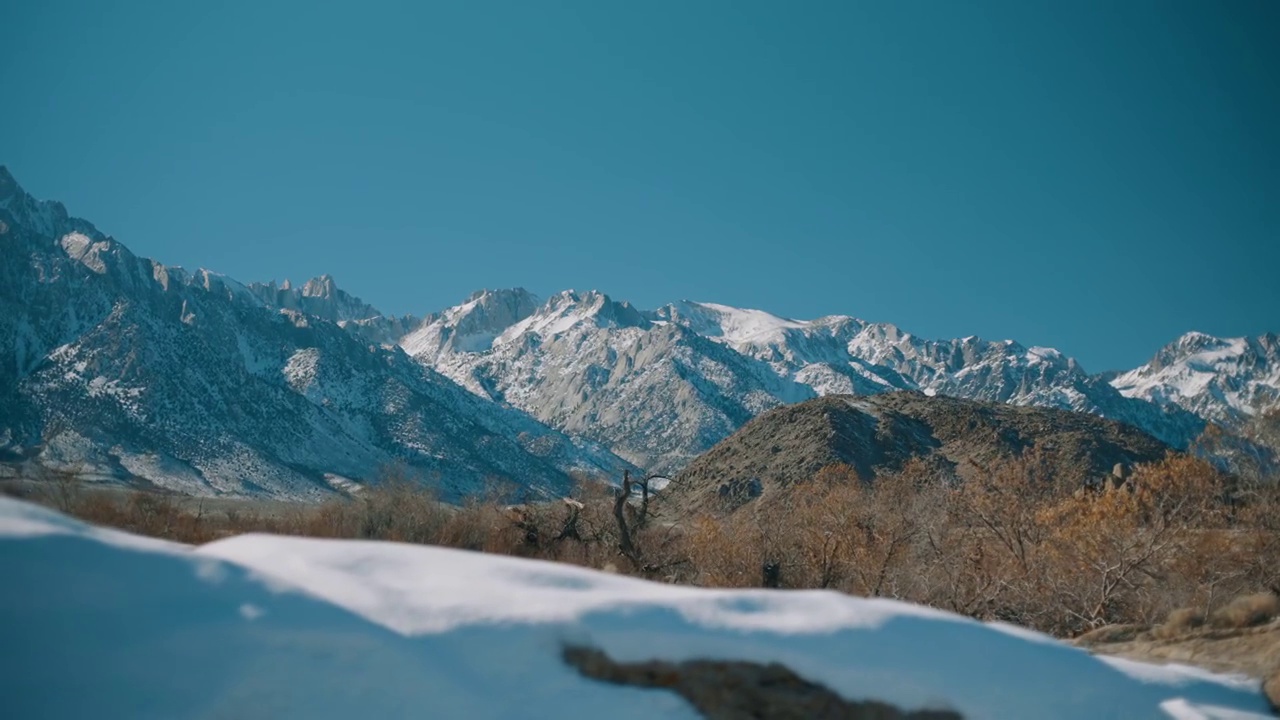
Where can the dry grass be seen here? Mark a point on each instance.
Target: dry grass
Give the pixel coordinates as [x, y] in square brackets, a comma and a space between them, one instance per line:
[1012, 545]
[1247, 611]
[1111, 634]
[1179, 622]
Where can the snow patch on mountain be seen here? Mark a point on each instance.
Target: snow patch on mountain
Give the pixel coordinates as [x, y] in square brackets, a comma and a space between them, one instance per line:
[733, 326]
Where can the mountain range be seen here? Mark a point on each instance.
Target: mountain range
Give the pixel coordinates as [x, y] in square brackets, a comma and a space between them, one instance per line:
[121, 367]
[661, 387]
[197, 383]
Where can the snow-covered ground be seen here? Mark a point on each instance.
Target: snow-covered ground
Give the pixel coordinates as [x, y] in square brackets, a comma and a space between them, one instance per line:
[98, 623]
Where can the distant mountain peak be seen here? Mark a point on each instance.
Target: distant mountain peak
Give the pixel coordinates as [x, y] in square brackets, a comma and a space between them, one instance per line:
[471, 326]
[320, 297]
[1224, 380]
[497, 294]
[47, 218]
[322, 286]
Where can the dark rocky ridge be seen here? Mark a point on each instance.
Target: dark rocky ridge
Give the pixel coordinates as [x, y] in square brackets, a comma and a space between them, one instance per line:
[881, 433]
[740, 690]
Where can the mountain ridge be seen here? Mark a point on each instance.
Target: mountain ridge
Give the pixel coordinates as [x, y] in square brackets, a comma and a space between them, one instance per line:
[534, 362]
[124, 367]
[571, 374]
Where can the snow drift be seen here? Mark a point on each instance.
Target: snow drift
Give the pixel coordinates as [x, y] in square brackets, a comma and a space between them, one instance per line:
[101, 623]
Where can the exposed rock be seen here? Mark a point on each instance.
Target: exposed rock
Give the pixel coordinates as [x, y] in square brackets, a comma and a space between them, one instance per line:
[737, 690]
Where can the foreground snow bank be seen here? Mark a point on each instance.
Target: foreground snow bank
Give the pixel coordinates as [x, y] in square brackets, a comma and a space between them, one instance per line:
[98, 623]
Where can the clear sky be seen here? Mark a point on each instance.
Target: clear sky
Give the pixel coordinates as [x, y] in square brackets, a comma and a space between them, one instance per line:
[1094, 176]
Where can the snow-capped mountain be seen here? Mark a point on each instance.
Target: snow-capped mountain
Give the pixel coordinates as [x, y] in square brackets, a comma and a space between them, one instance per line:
[471, 326]
[656, 392]
[118, 365]
[840, 354]
[662, 386]
[196, 382]
[1224, 380]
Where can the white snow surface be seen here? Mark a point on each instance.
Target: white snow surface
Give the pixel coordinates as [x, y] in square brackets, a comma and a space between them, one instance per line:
[98, 622]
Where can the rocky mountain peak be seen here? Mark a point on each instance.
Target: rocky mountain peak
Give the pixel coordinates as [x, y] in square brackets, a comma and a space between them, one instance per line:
[572, 309]
[472, 326]
[1224, 380]
[46, 218]
[320, 297]
[488, 296]
[321, 287]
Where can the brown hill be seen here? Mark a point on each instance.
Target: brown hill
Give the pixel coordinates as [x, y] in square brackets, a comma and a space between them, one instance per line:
[881, 433]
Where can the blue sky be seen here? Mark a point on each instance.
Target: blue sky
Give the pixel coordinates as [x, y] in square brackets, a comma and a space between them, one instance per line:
[1095, 176]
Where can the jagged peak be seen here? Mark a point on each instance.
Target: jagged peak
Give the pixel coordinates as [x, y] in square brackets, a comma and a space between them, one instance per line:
[580, 297]
[487, 306]
[1185, 346]
[889, 331]
[48, 218]
[320, 296]
[574, 298]
[499, 293]
[322, 286]
[592, 305]
[1195, 341]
